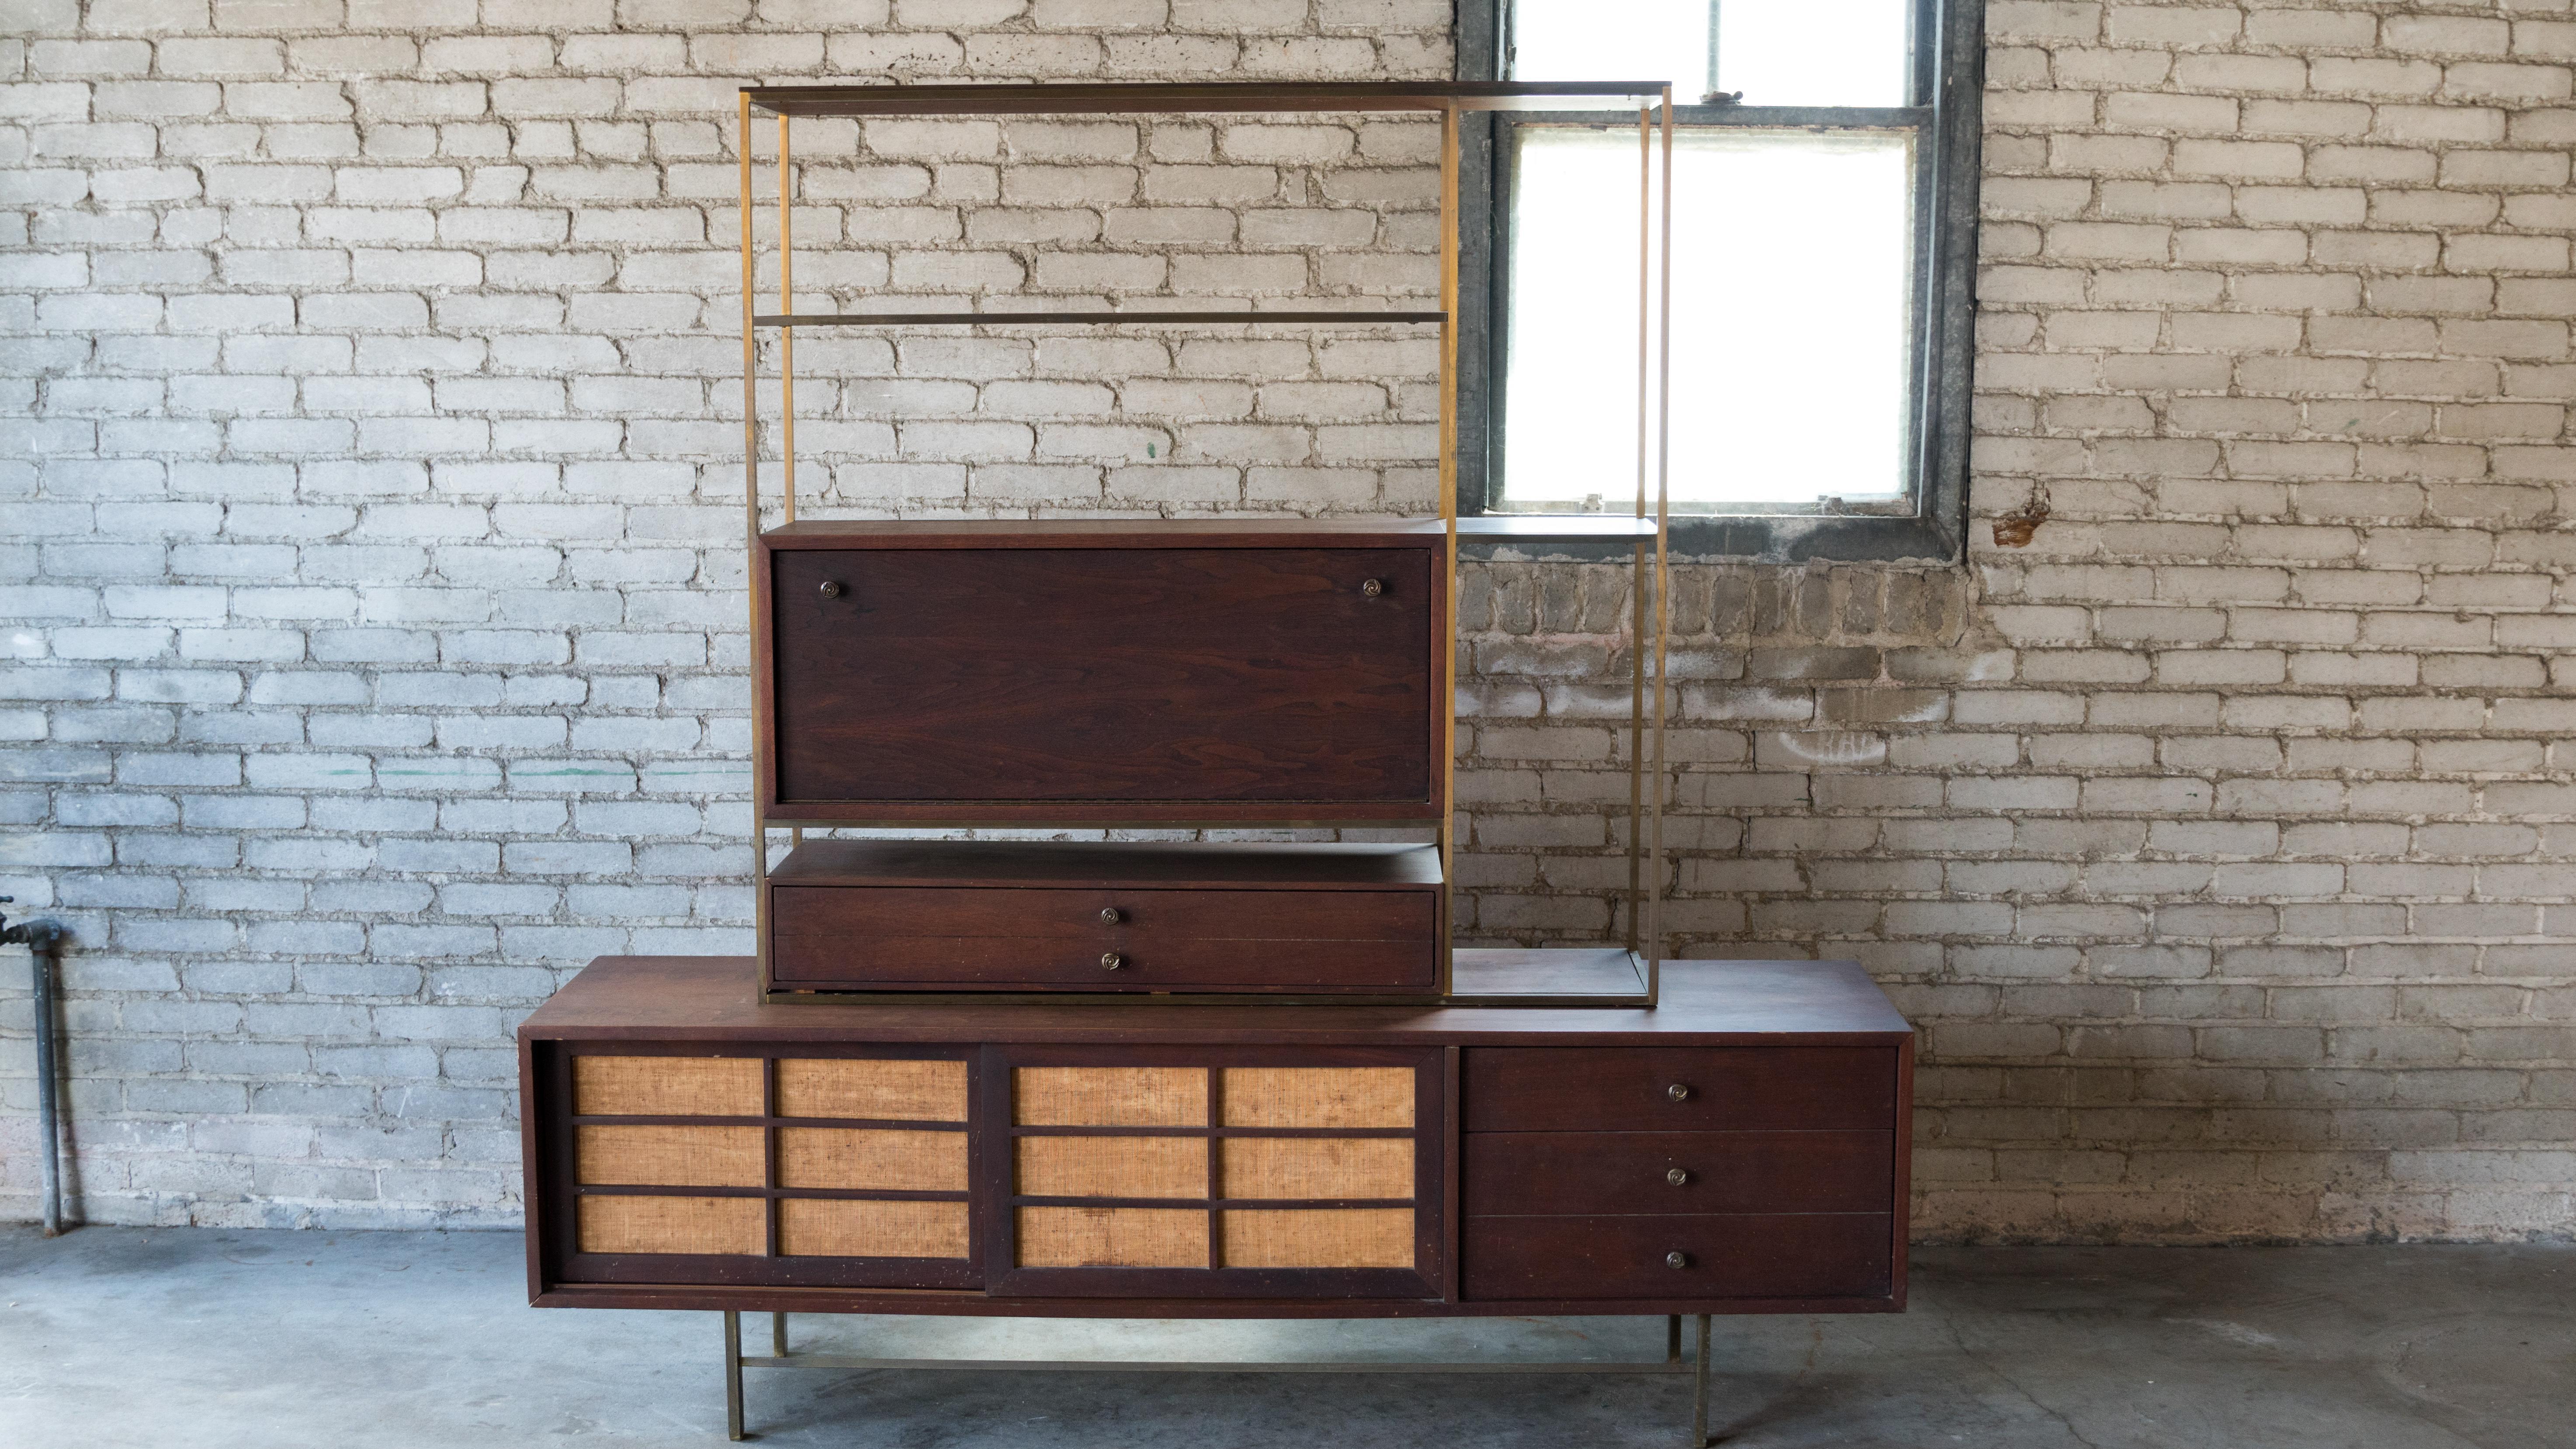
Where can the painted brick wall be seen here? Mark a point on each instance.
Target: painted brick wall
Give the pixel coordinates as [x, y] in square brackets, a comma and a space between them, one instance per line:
[372, 570]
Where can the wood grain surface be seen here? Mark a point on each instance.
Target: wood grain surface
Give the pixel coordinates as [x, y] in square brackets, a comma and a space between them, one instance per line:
[1036, 939]
[1219, 675]
[1627, 1090]
[1776, 1255]
[715, 1000]
[1722, 1172]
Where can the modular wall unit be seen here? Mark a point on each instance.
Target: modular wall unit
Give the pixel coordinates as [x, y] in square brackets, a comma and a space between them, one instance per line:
[1252, 672]
[1740, 1149]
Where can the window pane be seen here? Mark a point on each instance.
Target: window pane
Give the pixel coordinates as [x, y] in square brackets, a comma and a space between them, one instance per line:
[1569, 40]
[1777, 52]
[1809, 52]
[1791, 295]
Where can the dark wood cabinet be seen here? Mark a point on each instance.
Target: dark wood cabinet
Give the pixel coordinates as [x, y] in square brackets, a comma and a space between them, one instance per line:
[691, 1147]
[1065, 672]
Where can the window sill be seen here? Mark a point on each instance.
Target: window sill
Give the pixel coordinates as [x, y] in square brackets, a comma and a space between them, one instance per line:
[1787, 539]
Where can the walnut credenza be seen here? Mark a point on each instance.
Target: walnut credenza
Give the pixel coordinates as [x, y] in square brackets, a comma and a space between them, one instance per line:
[1740, 1149]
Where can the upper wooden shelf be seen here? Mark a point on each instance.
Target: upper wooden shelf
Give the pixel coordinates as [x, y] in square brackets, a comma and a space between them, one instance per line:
[1237, 96]
[1039, 532]
[1234, 318]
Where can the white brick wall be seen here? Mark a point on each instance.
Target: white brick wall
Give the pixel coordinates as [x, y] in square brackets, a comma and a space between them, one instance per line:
[372, 581]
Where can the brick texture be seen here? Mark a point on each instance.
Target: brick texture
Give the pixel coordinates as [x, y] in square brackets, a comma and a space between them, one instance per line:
[373, 576]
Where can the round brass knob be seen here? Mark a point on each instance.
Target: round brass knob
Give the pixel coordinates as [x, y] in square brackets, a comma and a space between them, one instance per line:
[1111, 960]
[1371, 588]
[1677, 1260]
[1109, 916]
[1678, 1176]
[1677, 1092]
[831, 590]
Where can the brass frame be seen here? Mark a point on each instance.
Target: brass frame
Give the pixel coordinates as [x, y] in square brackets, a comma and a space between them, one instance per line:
[1450, 101]
[735, 1361]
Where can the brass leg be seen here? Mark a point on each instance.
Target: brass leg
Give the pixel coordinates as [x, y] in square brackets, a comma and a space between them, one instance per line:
[1673, 1338]
[1699, 1390]
[733, 1374]
[778, 1334]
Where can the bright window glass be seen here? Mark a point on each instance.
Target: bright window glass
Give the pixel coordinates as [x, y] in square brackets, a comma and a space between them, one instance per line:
[1651, 40]
[1810, 52]
[1790, 319]
[1775, 52]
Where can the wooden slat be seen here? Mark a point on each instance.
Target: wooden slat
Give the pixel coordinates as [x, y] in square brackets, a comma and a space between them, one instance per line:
[605, 1086]
[1318, 1096]
[810, 1227]
[1086, 1237]
[1319, 1238]
[892, 1091]
[668, 1156]
[1318, 1167]
[870, 1158]
[672, 1225]
[1116, 1166]
[1110, 1096]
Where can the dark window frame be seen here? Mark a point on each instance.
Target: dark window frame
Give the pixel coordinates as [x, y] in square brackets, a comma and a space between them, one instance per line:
[1948, 82]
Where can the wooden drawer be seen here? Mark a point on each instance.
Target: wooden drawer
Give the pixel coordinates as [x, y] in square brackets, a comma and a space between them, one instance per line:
[1722, 1172]
[1129, 682]
[1632, 1089]
[1158, 940]
[1750, 1255]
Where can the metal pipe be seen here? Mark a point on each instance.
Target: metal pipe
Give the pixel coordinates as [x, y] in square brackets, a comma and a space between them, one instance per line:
[41, 938]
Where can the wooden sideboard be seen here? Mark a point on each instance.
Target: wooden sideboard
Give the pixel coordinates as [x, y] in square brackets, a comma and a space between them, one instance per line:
[1741, 1148]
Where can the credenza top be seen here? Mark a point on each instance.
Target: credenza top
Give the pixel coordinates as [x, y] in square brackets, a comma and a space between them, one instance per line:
[716, 999]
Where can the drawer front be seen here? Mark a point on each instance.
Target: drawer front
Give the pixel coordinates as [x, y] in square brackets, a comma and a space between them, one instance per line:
[1633, 1089]
[1768, 1255]
[1242, 675]
[1158, 940]
[1719, 1172]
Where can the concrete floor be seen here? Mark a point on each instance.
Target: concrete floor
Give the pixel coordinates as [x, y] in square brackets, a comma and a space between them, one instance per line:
[212, 1339]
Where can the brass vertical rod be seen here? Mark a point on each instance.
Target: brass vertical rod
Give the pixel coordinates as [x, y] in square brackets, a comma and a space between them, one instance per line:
[786, 331]
[1699, 1390]
[751, 510]
[733, 1373]
[1448, 404]
[1663, 604]
[750, 347]
[1637, 555]
[778, 1334]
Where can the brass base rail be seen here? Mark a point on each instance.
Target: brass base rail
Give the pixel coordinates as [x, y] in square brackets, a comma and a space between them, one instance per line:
[779, 1358]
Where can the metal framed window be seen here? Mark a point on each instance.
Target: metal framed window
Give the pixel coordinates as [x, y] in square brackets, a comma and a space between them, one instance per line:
[1824, 240]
